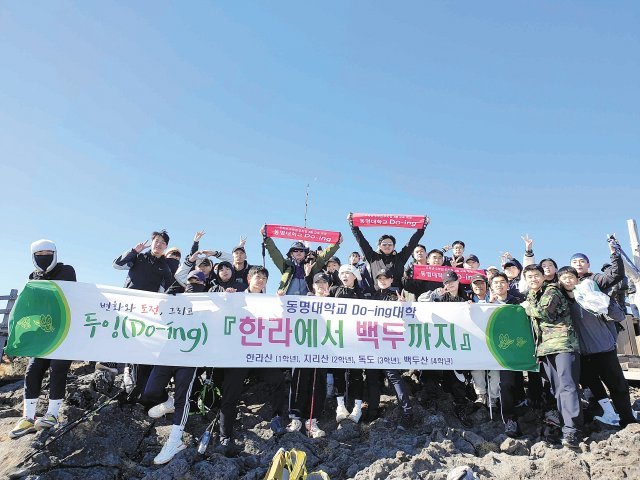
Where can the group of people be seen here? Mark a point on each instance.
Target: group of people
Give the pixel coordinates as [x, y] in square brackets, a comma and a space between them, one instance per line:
[575, 340]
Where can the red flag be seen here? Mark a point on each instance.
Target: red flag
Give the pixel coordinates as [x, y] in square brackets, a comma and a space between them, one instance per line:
[434, 273]
[302, 234]
[387, 220]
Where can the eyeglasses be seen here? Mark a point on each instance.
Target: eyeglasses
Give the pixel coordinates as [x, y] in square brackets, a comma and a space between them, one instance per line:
[386, 244]
[296, 251]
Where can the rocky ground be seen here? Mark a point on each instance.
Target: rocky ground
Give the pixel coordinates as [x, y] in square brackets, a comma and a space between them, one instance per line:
[120, 442]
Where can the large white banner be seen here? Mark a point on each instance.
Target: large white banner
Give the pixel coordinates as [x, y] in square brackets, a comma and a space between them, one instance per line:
[80, 321]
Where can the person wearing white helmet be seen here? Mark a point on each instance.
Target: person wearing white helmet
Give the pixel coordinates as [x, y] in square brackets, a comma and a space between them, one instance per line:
[45, 260]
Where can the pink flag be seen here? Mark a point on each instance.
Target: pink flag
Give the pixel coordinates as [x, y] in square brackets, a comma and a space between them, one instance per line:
[434, 273]
[301, 233]
[387, 220]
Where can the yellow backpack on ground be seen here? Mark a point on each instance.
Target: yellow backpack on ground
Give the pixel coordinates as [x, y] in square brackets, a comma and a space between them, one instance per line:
[291, 465]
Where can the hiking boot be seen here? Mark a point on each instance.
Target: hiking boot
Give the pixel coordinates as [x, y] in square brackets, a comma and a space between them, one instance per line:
[25, 425]
[294, 425]
[47, 421]
[341, 413]
[571, 440]
[511, 428]
[406, 422]
[552, 417]
[482, 399]
[276, 426]
[460, 411]
[229, 448]
[313, 430]
[168, 452]
[162, 409]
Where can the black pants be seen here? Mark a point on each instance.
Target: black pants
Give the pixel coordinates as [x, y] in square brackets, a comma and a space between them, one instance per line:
[232, 389]
[155, 390]
[511, 393]
[604, 367]
[451, 383]
[355, 390]
[563, 372]
[36, 369]
[308, 385]
[141, 373]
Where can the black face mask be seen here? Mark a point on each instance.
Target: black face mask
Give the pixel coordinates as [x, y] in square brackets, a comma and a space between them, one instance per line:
[44, 261]
[194, 288]
[173, 263]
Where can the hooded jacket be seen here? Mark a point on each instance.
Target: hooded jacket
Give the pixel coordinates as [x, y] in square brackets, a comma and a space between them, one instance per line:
[287, 267]
[55, 270]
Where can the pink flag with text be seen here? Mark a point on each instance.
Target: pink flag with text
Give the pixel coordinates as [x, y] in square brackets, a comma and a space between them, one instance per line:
[387, 220]
[434, 273]
[302, 233]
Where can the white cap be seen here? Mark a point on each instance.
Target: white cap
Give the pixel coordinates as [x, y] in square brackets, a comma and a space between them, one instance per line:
[351, 269]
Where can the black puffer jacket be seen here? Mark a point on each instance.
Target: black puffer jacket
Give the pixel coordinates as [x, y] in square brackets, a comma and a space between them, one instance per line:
[59, 272]
[394, 262]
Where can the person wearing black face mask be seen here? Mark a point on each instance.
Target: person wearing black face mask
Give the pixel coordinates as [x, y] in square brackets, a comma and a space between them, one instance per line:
[45, 259]
[195, 282]
[173, 256]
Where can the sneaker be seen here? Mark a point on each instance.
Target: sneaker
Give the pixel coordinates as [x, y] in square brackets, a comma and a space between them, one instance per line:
[295, 425]
[47, 421]
[108, 366]
[406, 422]
[168, 452]
[25, 425]
[313, 430]
[571, 440]
[511, 428]
[461, 412]
[482, 399]
[355, 415]
[608, 419]
[162, 409]
[552, 417]
[341, 413]
[276, 426]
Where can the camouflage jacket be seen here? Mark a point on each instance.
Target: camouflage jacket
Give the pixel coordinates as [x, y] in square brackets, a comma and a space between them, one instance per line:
[550, 315]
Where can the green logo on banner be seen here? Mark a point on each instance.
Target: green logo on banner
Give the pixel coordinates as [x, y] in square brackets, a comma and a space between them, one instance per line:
[39, 320]
[510, 339]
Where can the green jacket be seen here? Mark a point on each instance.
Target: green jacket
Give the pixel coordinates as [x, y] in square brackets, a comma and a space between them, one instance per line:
[550, 315]
[288, 268]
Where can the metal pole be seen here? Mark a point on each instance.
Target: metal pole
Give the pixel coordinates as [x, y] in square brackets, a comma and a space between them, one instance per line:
[633, 235]
[306, 205]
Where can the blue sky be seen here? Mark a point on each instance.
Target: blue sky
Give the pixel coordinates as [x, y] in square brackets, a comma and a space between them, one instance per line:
[495, 118]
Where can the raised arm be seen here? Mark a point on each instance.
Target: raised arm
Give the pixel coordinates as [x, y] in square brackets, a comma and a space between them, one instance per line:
[362, 242]
[407, 250]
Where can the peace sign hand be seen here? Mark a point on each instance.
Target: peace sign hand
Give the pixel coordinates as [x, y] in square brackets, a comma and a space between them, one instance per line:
[141, 246]
[528, 242]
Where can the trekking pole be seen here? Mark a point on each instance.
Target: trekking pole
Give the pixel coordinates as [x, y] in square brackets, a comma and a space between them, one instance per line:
[313, 397]
[70, 426]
